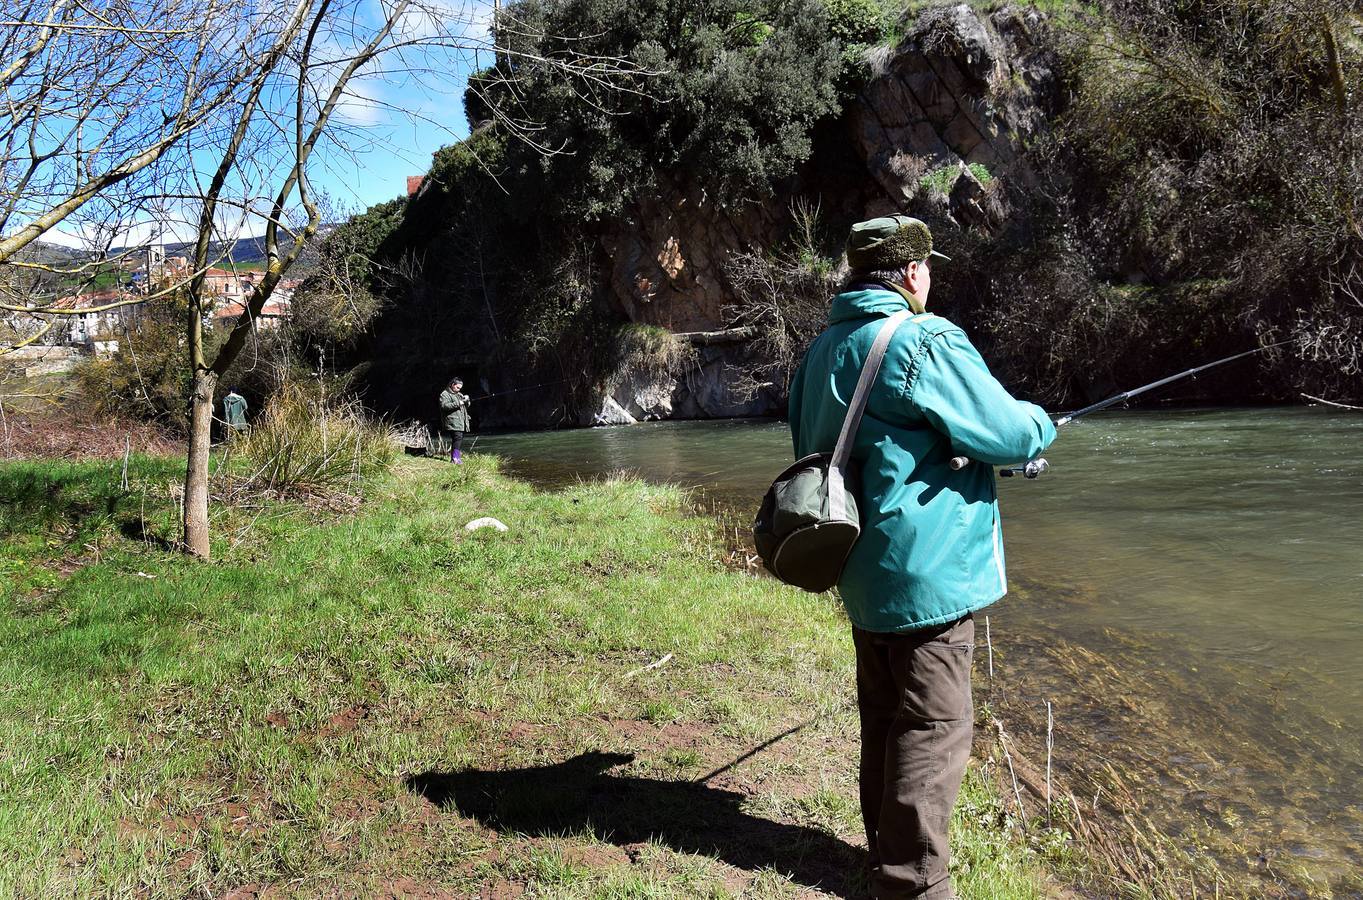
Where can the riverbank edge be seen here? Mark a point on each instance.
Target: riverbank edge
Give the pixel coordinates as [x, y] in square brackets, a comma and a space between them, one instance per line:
[279, 750]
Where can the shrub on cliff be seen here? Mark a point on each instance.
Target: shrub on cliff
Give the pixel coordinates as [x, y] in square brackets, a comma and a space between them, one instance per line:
[737, 89]
[1210, 162]
[337, 302]
[781, 299]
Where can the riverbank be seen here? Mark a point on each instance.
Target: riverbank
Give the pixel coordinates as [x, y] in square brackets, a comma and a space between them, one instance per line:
[1149, 577]
[387, 704]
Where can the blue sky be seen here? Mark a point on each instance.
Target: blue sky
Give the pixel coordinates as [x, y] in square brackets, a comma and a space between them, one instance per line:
[392, 125]
[393, 148]
[398, 116]
[402, 109]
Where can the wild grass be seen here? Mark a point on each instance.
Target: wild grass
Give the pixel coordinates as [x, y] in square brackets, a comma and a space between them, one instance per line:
[387, 703]
[310, 442]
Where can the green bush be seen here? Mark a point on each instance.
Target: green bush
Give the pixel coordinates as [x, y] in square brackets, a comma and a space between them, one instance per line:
[734, 90]
[651, 350]
[856, 26]
[335, 304]
[1203, 193]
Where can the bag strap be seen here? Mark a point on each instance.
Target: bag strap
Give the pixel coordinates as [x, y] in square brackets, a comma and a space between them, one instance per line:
[842, 451]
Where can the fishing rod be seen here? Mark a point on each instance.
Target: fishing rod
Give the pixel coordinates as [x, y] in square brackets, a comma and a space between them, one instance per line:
[530, 387]
[1034, 468]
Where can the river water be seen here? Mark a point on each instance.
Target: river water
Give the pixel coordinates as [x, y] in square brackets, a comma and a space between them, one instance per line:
[1186, 588]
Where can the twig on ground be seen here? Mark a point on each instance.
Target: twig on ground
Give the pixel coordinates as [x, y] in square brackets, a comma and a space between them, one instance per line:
[653, 665]
[1017, 792]
[989, 644]
[1050, 745]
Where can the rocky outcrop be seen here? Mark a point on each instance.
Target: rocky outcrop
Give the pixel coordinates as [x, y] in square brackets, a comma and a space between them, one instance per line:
[636, 396]
[943, 125]
[612, 413]
[704, 387]
[667, 256]
[941, 129]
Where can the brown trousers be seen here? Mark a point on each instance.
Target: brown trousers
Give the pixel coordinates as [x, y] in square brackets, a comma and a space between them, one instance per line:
[913, 694]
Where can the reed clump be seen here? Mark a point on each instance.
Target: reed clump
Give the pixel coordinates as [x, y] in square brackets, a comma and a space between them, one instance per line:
[307, 442]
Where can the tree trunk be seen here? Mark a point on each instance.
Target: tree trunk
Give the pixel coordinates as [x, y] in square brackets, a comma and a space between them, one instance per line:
[196, 471]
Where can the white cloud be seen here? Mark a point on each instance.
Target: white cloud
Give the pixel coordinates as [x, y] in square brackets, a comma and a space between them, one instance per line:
[362, 103]
[470, 21]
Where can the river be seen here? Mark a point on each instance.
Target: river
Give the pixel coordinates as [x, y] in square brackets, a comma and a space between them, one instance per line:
[1186, 588]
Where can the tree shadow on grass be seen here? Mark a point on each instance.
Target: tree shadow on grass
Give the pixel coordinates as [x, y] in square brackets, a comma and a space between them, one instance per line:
[138, 530]
[32, 498]
[579, 795]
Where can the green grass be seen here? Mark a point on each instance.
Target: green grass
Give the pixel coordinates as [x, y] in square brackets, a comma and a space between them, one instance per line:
[387, 702]
[941, 179]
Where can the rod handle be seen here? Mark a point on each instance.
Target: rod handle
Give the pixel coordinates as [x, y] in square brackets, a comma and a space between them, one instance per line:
[959, 462]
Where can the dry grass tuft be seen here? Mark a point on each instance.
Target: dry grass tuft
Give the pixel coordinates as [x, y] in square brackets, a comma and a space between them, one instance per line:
[309, 445]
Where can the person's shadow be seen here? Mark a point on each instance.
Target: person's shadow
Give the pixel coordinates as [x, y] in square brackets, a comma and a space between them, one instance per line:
[579, 794]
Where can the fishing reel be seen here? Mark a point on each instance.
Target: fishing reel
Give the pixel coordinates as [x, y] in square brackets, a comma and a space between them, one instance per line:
[1033, 468]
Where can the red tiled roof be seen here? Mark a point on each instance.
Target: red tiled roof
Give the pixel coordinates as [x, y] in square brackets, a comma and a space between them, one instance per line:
[232, 310]
[414, 183]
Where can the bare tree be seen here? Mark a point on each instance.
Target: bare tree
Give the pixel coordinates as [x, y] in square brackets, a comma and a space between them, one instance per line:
[781, 302]
[135, 119]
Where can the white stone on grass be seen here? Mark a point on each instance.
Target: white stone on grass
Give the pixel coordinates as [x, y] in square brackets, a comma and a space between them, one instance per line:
[485, 522]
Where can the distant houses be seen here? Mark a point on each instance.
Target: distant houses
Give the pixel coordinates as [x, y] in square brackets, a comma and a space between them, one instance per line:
[101, 316]
[98, 318]
[271, 314]
[233, 290]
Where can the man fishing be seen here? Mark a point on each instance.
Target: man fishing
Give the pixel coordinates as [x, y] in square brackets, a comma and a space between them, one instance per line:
[930, 551]
[454, 405]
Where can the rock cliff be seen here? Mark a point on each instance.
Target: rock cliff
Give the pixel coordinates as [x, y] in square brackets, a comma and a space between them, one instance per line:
[940, 131]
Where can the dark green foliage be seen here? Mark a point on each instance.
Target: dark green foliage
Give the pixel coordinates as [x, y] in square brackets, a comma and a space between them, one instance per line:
[856, 25]
[736, 90]
[1204, 193]
[500, 259]
[336, 303]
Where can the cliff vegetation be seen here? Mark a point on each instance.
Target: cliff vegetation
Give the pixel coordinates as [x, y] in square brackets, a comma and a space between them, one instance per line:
[1127, 188]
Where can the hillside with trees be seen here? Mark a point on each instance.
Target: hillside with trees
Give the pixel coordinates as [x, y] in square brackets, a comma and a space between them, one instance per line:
[1125, 188]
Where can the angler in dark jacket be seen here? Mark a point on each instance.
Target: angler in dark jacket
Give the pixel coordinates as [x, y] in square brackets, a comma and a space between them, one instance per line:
[931, 548]
[454, 407]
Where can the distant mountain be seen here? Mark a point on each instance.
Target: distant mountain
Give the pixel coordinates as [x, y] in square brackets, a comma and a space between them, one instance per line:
[54, 254]
[243, 252]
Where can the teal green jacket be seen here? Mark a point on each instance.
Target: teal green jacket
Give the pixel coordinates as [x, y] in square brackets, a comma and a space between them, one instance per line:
[931, 546]
[234, 410]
